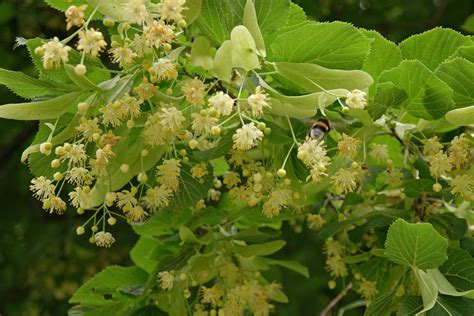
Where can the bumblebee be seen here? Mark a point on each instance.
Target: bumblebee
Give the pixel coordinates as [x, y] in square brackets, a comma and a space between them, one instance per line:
[319, 129]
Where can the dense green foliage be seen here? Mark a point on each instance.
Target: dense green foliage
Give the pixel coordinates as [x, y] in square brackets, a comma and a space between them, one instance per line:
[430, 85]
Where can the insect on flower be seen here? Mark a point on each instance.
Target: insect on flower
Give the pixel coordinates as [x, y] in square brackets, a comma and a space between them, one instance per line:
[320, 128]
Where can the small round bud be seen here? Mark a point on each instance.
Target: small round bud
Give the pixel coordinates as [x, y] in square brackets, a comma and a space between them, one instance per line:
[257, 187]
[95, 228]
[216, 130]
[193, 144]
[142, 177]
[45, 148]
[217, 183]
[372, 193]
[281, 173]
[67, 147]
[389, 162]
[144, 153]
[58, 176]
[403, 195]
[357, 276]
[80, 70]
[322, 210]
[134, 190]
[287, 182]
[269, 175]
[59, 151]
[110, 198]
[125, 168]
[302, 155]
[108, 22]
[341, 217]
[345, 110]
[187, 293]
[213, 112]
[55, 163]
[86, 189]
[169, 91]
[92, 240]
[183, 152]
[130, 124]
[182, 24]
[355, 165]
[80, 211]
[296, 195]
[83, 107]
[213, 312]
[167, 47]
[112, 221]
[80, 230]
[267, 131]
[332, 284]
[182, 276]
[245, 172]
[261, 126]
[257, 177]
[96, 136]
[39, 50]
[437, 187]
[194, 283]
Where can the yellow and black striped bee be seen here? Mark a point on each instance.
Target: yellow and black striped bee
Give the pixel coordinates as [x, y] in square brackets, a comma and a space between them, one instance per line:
[319, 129]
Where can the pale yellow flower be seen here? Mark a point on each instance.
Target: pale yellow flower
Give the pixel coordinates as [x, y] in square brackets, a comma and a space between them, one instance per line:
[348, 146]
[221, 103]
[167, 174]
[91, 42]
[165, 280]
[53, 53]
[75, 16]
[247, 137]
[194, 91]
[156, 198]
[42, 188]
[356, 99]
[258, 101]
[104, 239]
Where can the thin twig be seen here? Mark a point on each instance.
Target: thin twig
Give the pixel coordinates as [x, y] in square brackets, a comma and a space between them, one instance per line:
[336, 300]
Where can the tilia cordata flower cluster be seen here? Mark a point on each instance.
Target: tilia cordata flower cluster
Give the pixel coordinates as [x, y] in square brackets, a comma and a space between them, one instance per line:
[214, 123]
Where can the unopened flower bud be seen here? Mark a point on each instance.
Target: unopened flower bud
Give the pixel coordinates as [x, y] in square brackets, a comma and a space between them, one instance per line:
[58, 176]
[45, 148]
[437, 187]
[142, 177]
[216, 130]
[80, 70]
[124, 168]
[193, 144]
[108, 22]
[55, 163]
[83, 107]
[110, 198]
[281, 173]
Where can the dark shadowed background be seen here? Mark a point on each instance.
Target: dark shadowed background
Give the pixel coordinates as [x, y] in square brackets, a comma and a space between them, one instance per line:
[42, 261]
